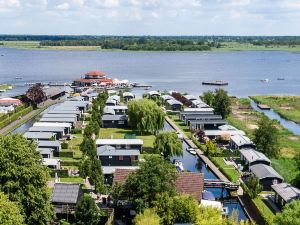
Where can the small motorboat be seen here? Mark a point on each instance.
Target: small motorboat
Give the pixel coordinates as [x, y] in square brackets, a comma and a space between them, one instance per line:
[265, 80]
[190, 149]
[18, 78]
[280, 78]
[179, 165]
[193, 152]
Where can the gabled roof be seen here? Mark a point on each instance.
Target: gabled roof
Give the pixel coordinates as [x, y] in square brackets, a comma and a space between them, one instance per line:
[251, 155]
[45, 150]
[56, 119]
[190, 183]
[286, 191]
[166, 97]
[63, 115]
[263, 171]
[65, 193]
[61, 111]
[198, 109]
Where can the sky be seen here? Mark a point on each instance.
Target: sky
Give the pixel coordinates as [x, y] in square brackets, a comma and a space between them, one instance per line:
[150, 17]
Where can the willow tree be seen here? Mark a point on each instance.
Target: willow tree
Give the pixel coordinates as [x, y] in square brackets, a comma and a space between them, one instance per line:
[145, 116]
[168, 144]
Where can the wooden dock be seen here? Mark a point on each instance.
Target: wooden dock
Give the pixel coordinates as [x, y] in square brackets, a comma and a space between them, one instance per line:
[191, 144]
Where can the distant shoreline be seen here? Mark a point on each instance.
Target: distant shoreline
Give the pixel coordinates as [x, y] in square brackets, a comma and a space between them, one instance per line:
[230, 47]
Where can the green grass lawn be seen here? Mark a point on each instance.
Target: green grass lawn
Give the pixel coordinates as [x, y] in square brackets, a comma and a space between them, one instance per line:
[181, 125]
[286, 106]
[230, 172]
[72, 180]
[265, 211]
[120, 133]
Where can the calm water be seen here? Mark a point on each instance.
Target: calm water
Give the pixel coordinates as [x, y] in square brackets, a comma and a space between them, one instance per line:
[182, 71]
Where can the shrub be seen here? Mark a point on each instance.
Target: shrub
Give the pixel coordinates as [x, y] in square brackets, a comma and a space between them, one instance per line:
[76, 131]
[64, 145]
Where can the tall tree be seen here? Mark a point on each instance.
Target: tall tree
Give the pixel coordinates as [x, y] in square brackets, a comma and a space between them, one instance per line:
[253, 185]
[266, 137]
[221, 103]
[87, 212]
[36, 95]
[145, 116]
[10, 214]
[155, 176]
[24, 179]
[208, 97]
[148, 217]
[208, 216]
[168, 144]
[290, 214]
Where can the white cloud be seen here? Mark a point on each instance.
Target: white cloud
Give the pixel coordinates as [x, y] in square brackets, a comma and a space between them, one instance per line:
[63, 6]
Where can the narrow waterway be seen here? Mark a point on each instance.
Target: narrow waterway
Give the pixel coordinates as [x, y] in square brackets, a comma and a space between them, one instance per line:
[290, 125]
[193, 163]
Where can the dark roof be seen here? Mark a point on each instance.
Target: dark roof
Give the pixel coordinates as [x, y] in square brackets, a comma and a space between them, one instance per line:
[203, 116]
[108, 117]
[65, 193]
[107, 150]
[207, 122]
[286, 191]
[190, 183]
[121, 175]
[45, 129]
[263, 171]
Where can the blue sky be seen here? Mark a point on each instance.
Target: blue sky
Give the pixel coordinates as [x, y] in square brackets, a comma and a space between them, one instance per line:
[150, 17]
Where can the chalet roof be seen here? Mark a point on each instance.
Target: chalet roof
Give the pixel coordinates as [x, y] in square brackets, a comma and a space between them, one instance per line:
[65, 193]
[116, 107]
[203, 116]
[119, 142]
[241, 140]
[166, 97]
[214, 121]
[251, 155]
[108, 117]
[108, 150]
[263, 171]
[190, 183]
[154, 93]
[62, 111]
[112, 169]
[286, 191]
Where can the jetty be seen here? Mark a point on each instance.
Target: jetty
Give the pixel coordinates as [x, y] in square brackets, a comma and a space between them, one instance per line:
[263, 107]
[215, 83]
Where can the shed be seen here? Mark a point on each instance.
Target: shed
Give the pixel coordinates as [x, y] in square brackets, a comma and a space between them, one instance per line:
[114, 121]
[50, 144]
[41, 136]
[267, 175]
[285, 193]
[251, 157]
[65, 196]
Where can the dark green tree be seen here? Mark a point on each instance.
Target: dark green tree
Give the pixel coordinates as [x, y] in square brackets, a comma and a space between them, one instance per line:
[290, 214]
[10, 213]
[266, 137]
[87, 212]
[254, 187]
[24, 179]
[208, 97]
[155, 176]
[221, 103]
[88, 146]
[168, 144]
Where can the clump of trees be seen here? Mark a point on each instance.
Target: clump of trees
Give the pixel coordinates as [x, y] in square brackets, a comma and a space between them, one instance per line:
[23, 179]
[266, 137]
[10, 213]
[149, 217]
[290, 214]
[36, 95]
[145, 116]
[219, 100]
[168, 144]
[253, 186]
[87, 212]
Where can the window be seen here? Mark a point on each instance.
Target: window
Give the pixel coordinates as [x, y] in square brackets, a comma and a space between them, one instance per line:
[275, 181]
[132, 157]
[121, 122]
[121, 158]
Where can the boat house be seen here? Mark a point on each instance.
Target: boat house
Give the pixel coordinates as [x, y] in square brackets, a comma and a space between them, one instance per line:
[252, 157]
[267, 175]
[285, 193]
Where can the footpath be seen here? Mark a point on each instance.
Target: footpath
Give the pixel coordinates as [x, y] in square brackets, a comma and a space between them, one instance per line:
[10, 127]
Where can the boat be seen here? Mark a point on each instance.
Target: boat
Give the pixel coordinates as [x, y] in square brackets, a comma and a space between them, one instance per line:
[179, 165]
[280, 78]
[18, 78]
[193, 152]
[265, 80]
[190, 149]
[147, 88]
[215, 83]
[208, 195]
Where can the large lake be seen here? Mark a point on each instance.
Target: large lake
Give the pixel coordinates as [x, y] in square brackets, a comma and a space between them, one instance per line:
[181, 71]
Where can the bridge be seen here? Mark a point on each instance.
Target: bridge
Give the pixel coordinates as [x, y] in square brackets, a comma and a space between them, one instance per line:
[214, 183]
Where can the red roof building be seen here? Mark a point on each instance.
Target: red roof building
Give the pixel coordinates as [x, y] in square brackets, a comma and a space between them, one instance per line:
[9, 102]
[93, 78]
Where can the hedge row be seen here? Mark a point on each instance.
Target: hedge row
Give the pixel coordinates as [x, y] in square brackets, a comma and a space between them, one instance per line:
[60, 173]
[15, 116]
[66, 154]
[70, 163]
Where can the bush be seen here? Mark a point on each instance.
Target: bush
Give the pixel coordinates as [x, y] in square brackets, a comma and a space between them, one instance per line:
[76, 131]
[13, 117]
[60, 173]
[73, 163]
[68, 154]
[64, 145]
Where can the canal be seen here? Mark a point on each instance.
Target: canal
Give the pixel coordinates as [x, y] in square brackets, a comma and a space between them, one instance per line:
[193, 163]
[290, 125]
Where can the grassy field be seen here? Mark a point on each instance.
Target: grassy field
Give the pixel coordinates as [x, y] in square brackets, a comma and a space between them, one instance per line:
[120, 133]
[226, 46]
[245, 118]
[5, 86]
[286, 106]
